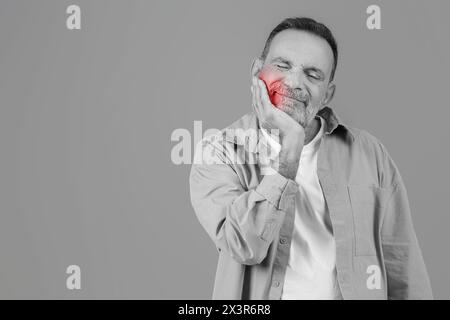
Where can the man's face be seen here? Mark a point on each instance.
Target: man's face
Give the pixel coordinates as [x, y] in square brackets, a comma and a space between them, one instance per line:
[297, 73]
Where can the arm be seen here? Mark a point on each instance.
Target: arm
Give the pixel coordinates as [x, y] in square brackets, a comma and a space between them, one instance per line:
[241, 222]
[407, 277]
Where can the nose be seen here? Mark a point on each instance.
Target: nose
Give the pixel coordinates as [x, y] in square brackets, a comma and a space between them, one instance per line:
[296, 81]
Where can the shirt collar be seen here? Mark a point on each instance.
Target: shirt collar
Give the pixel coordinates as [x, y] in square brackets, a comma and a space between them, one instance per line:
[238, 131]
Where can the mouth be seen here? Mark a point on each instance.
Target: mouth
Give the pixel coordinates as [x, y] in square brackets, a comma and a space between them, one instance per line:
[290, 98]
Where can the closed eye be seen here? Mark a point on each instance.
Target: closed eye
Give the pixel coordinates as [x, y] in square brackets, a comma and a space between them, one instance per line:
[314, 76]
[314, 73]
[282, 66]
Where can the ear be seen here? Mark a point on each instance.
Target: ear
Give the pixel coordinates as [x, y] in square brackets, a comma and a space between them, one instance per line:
[257, 65]
[329, 94]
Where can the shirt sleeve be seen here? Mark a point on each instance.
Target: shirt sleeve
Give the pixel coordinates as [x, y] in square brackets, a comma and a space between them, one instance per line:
[241, 222]
[407, 277]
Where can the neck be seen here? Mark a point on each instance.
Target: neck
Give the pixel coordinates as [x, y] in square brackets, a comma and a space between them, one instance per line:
[311, 130]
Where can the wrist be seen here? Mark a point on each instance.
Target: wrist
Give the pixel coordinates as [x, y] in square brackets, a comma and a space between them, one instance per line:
[289, 158]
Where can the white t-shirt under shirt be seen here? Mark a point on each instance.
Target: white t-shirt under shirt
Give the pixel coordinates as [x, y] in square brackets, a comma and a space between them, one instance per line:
[311, 271]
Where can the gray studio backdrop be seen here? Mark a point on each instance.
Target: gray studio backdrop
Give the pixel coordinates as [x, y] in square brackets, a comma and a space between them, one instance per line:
[86, 118]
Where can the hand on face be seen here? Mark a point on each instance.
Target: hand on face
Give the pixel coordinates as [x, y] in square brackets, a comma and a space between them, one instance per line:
[269, 105]
[291, 133]
[293, 102]
[280, 94]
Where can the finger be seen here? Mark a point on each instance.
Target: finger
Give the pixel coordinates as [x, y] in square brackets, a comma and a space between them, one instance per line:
[255, 105]
[259, 107]
[264, 96]
[258, 101]
[252, 88]
[254, 79]
[264, 103]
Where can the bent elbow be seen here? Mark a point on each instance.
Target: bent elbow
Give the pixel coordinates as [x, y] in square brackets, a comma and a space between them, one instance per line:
[249, 256]
[248, 260]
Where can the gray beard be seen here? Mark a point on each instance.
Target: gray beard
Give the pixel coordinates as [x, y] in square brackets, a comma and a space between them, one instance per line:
[297, 111]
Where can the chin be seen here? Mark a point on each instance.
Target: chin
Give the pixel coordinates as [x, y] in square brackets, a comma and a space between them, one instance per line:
[295, 113]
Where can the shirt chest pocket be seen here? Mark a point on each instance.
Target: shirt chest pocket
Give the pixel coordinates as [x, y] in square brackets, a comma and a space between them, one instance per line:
[367, 203]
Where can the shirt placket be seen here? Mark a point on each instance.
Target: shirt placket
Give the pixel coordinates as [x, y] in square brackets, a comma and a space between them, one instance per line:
[340, 220]
[284, 243]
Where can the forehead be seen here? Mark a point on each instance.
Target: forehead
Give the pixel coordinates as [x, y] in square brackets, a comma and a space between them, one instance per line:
[301, 47]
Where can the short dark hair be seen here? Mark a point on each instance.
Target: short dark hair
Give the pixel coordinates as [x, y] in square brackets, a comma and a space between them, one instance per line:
[308, 25]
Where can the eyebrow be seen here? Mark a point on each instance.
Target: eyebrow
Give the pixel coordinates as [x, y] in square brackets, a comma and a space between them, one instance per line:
[309, 68]
[279, 59]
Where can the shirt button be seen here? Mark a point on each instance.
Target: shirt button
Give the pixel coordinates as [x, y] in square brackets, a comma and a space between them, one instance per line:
[276, 284]
[283, 240]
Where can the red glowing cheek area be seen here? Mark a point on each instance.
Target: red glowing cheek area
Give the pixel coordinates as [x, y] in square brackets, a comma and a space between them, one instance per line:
[270, 76]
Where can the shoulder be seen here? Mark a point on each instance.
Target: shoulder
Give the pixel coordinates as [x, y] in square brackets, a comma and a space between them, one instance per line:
[367, 139]
[376, 152]
[221, 143]
[235, 132]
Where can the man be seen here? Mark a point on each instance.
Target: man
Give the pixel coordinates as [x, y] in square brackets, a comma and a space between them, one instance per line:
[328, 217]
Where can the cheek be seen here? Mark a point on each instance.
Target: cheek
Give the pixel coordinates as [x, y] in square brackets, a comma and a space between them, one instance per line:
[269, 76]
[317, 95]
[275, 99]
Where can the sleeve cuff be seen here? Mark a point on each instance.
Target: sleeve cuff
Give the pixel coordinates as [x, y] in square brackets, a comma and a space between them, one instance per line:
[277, 189]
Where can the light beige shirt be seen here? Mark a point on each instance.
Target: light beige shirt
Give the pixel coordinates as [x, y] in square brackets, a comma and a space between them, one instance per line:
[250, 216]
